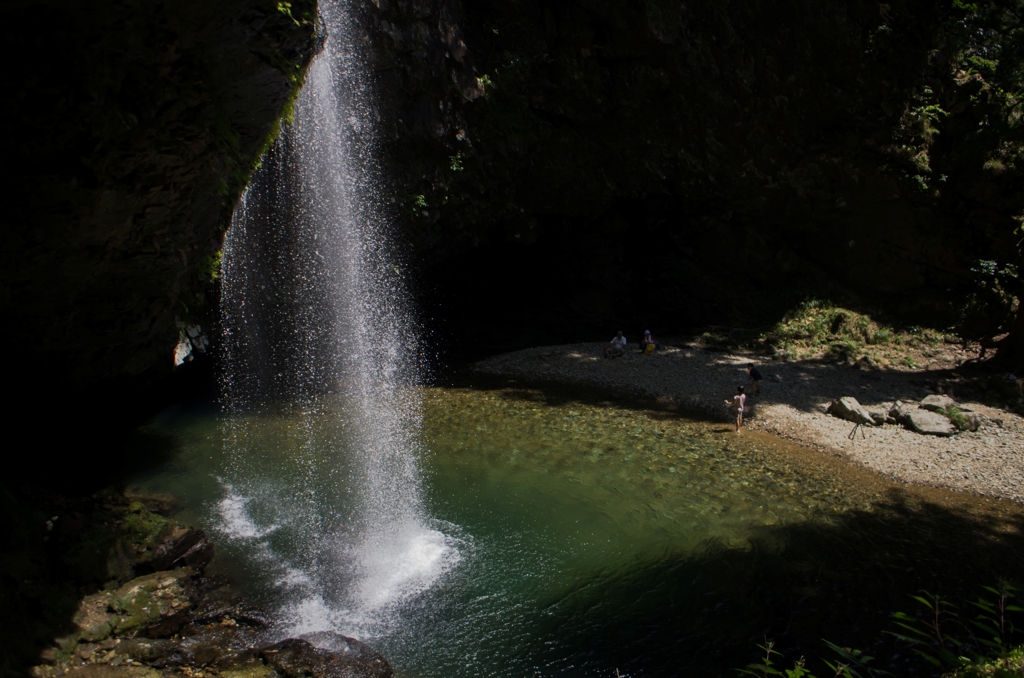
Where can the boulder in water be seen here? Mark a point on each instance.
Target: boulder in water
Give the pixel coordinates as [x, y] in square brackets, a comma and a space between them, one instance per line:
[346, 658]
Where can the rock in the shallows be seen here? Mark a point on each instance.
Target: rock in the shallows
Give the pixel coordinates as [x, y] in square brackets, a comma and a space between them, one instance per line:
[937, 402]
[347, 658]
[929, 423]
[849, 409]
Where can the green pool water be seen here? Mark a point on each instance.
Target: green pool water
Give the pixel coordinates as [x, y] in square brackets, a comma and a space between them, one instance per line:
[572, 536]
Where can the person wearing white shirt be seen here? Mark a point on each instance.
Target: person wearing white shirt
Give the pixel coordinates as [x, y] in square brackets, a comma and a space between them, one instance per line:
[616, 347]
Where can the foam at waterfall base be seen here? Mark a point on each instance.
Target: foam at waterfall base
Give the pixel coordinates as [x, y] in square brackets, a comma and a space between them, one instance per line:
[391, 567]
[397, 564]
[364, 580]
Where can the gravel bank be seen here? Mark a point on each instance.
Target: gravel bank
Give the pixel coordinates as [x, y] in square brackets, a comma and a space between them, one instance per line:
[792, 405]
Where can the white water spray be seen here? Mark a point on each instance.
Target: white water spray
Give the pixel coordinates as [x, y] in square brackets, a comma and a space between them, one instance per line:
[317, 329]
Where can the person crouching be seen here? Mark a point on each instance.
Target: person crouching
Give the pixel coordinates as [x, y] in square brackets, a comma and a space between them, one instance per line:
[616, 347]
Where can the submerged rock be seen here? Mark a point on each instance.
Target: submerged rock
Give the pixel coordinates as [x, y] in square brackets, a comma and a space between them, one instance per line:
[346, 658]
[849, 409]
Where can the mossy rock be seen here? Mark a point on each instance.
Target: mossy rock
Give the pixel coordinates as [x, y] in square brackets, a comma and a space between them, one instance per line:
[158, 603]
[97, 671]
[255, 670]
[132, 540]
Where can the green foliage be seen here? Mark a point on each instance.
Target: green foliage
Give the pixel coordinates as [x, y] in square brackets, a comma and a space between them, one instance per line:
[852, 664]
[955, 415]
[210, 268]
[990, 304]
[303, 14]
[1011, 665]
[820, 325]
[965, 646]
[947, 639]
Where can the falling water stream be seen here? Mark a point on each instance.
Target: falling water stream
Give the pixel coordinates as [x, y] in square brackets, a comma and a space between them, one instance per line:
[315, 316]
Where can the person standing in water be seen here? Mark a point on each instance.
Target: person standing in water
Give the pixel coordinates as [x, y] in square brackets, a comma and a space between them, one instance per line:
[737, 403]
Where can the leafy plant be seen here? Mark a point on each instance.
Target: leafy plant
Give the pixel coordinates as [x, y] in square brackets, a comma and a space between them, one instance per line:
[944, 639]
[991, 304]
[955, 415]
[853, 664]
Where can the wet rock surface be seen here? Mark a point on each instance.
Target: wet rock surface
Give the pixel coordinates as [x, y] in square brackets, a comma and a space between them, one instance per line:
[178, 620]
[138, 126]
[347, 658]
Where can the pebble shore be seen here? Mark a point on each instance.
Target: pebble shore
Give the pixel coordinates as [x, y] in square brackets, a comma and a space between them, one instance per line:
[794, 396]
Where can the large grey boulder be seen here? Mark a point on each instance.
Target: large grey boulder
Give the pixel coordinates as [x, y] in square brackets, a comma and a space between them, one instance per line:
[929, 423]
[935, 403]
[849, 409]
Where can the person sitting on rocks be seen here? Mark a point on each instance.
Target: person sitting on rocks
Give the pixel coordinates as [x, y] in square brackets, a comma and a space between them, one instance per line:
[616, 347]
[648, 344]
[755, 380]
[737, 403]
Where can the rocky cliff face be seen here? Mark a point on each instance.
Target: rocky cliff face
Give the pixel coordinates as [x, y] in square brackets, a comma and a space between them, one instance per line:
[604, 163]
[133, 129]
[563, 167]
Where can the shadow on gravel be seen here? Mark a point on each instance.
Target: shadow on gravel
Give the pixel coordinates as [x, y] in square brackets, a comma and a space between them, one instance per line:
[806, 385]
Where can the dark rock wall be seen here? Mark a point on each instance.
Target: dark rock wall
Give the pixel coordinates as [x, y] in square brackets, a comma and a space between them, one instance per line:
[574, 166]
[132, 127]
[559, 168]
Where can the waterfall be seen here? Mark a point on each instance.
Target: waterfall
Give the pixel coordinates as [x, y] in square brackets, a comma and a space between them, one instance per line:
[318, 333]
